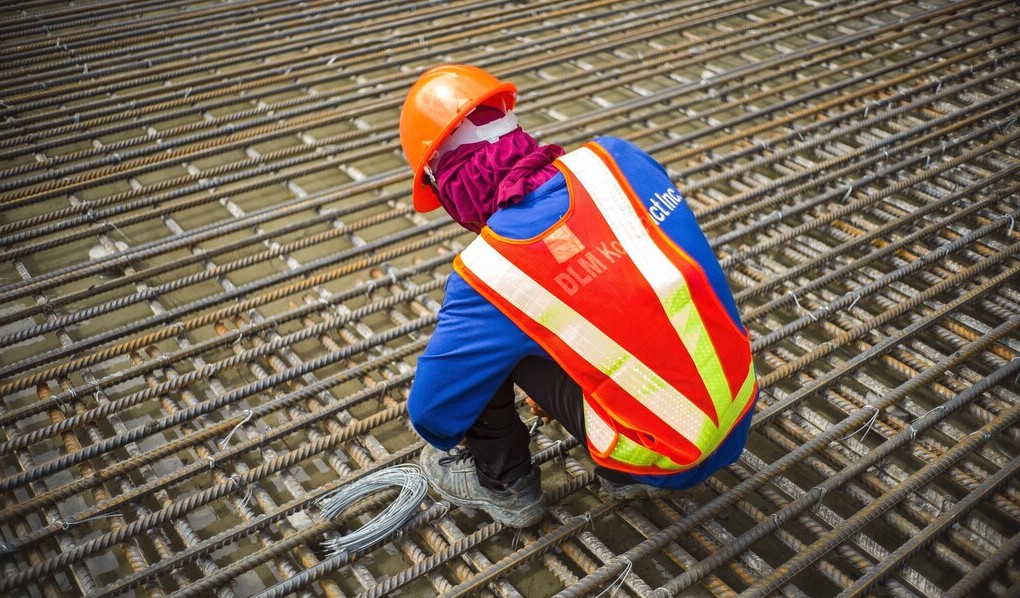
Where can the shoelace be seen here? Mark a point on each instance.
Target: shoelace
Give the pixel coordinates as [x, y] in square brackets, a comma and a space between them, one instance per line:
[456, 455]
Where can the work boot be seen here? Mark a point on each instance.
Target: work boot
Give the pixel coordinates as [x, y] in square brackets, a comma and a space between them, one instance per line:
[617, 491]
[452, 473]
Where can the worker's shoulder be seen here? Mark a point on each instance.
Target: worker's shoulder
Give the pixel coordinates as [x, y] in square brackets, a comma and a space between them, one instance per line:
[629, 156]
[617, 144]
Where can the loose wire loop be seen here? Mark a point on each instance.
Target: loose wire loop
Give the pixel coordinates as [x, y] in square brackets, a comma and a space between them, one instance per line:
[413, 487]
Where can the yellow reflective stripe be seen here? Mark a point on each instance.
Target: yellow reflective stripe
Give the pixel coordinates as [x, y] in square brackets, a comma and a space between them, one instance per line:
[593, 345]
[599, 433]
[628, 451]
[729, 417]
[663, 276]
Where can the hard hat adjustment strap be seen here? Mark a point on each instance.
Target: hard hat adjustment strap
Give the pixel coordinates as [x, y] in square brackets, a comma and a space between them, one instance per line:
[468, 132]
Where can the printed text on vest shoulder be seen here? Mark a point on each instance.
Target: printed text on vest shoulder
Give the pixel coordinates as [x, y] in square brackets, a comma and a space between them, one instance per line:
[663, 204]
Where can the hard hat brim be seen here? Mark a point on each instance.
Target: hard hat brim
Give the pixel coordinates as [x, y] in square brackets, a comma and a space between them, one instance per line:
[424, 196]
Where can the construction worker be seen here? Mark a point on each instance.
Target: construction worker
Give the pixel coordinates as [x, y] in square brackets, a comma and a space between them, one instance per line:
[590, 287]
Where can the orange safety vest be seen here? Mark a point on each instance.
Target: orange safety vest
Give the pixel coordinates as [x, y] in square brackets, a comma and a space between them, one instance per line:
[632, 318]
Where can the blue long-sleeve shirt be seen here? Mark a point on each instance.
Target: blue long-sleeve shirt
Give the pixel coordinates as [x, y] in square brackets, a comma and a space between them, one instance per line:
[475, 346]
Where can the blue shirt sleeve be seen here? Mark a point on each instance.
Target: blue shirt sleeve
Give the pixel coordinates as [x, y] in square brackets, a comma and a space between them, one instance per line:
[472, 351]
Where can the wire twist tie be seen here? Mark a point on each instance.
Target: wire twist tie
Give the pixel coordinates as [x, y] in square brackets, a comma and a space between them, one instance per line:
[941, 408]
[849, 190]
[589, 521]
[212, 462]
[561, 450]
[913, 432]
[516, 542]
[628, 565]
[856, 296]
[800, 307]
[240, 337]
[238, 486]
[1012, 222]
[822, 491]
[248, 413]
[867, 426]
[109, 224]
[68, 524]
[63, 524]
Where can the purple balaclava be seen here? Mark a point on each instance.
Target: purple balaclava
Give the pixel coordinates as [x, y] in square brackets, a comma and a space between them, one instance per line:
[477, 179]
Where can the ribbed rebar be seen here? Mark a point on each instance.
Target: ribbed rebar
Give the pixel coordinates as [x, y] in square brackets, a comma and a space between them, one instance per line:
[214, 289]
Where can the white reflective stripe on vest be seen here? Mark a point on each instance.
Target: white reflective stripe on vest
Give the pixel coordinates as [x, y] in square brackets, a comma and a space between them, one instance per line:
[599, 433]
[593, 345]
[668, 282]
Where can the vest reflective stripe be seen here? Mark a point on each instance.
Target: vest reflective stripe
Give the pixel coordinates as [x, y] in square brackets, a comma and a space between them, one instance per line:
[668, 282]
[593, 345]
[606, 441]
[599, 433]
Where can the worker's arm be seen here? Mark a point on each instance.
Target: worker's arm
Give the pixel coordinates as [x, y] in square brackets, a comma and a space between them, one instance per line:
[472, 351]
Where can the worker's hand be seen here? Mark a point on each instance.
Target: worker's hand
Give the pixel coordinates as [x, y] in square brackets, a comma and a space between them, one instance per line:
[537, 410]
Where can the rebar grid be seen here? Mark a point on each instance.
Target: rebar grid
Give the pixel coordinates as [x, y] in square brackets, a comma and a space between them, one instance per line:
[214, 289]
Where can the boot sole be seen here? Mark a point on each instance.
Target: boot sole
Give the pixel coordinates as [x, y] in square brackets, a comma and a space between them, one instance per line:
[513, 518]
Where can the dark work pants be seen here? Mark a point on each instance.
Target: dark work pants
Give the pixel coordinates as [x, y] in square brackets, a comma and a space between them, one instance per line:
[499, 439]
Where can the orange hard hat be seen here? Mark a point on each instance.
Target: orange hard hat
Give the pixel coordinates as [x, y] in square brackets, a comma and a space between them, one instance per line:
[436, 105]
